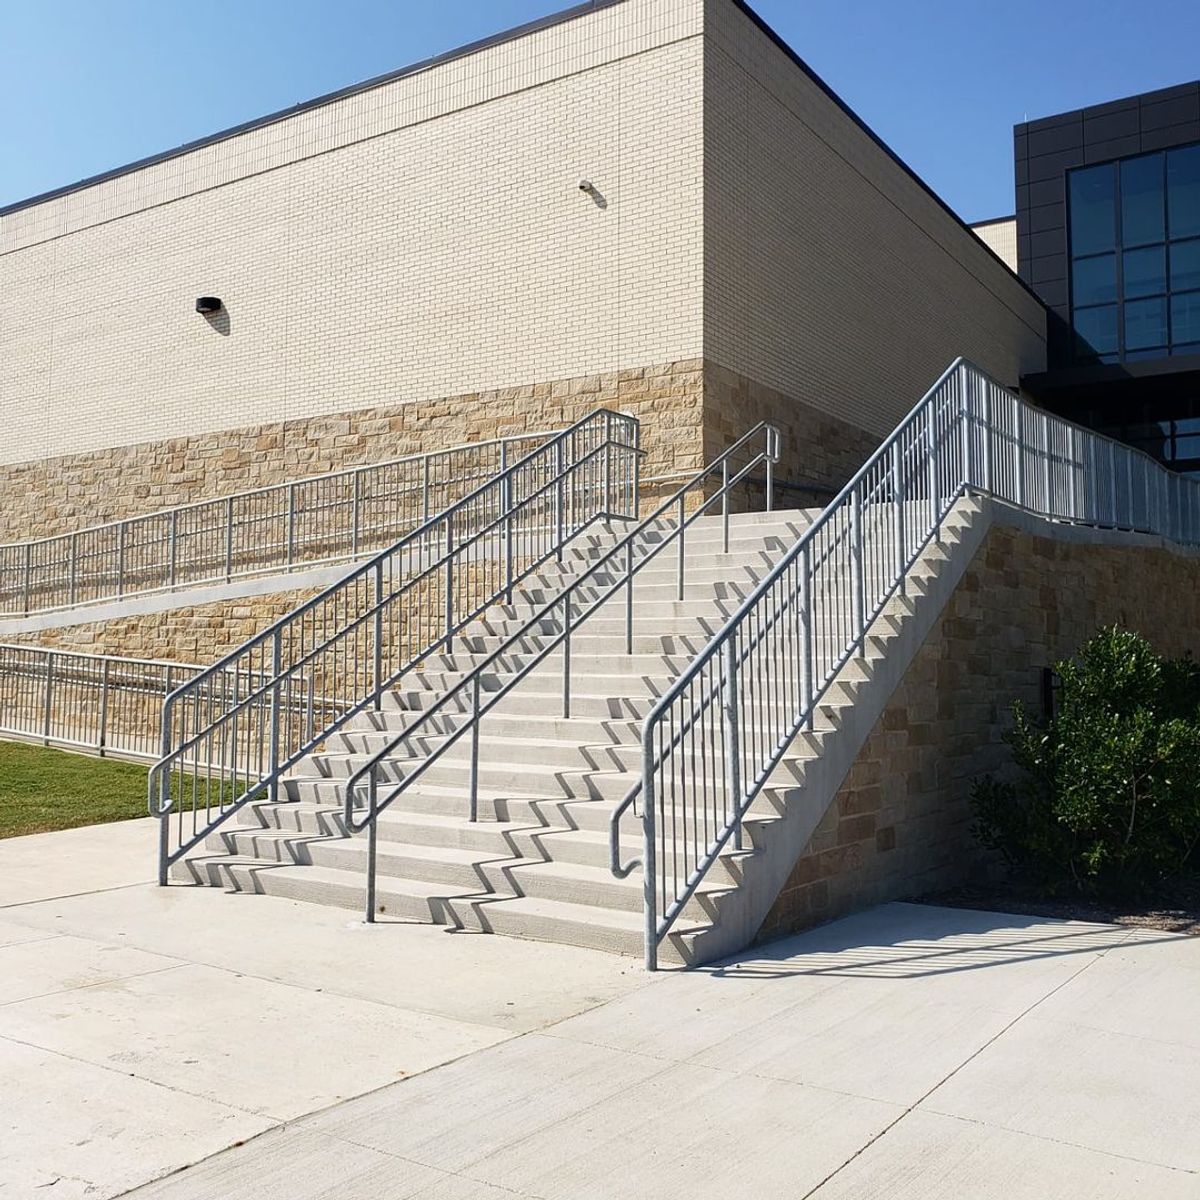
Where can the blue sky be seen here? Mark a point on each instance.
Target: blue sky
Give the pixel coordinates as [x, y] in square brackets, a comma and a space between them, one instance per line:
[86, 86]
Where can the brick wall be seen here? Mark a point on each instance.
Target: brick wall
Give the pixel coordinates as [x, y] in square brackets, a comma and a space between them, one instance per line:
[830, 274]
[901, 824]
[423, 238]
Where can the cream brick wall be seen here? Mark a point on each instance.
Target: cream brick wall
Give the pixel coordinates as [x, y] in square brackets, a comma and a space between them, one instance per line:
[831, 275]
[1001, 238]
[423, 238]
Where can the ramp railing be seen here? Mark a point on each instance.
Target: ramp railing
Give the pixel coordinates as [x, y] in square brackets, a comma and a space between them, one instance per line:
[230, 733]
[714, 738]
[334, 517]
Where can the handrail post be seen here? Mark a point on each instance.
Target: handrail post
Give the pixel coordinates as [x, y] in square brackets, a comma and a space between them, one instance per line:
[566, 699]
[228, 539]
[629, 596]
[806, 636]
[121, 558]
[898, 518]
[649, 855]
[473, 800]
[425, 489]
[164, 788]
[378, 655]
[49, 693]
[74, 565]
[102, 730]
[772, 454]
[987, 436]
[506, 507]
[608, 451]
[965, 416]
[173, 547]
[28, 576]
[724, 504]
[679, 562]
[355, 503]
[856, 566]
[1019, 434]
[733, 757]
[276, 664]
[1112, 481]
[559, 511]
[1046, 464]
[932, 475]
[372, 846]
[1071, 452]
[291, 526]
[449, 583]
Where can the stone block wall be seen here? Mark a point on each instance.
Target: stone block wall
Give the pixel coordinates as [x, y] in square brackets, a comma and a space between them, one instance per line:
[55, 495]
[901, 823]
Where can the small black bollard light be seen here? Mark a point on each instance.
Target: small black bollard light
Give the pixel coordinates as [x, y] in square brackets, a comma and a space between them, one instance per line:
[207, 305]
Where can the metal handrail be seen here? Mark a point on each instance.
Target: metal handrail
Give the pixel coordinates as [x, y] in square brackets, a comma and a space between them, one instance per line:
[563, 607]
[303, 677]
[758, 681]
[320, 519]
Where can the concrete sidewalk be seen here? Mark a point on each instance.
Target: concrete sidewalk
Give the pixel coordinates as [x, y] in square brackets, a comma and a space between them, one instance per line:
[908, 1053]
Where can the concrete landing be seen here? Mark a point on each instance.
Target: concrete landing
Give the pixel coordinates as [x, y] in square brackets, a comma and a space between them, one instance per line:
[907, 1053]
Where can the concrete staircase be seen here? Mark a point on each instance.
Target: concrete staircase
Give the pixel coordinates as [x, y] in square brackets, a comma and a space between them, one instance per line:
[535, 864]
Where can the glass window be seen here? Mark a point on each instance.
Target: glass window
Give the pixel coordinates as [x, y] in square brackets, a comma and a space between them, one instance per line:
[1185, 266]
[1096, 330]
[1093, 209]
[1094, 280]
[1145, 324]
[1145, 272]
[1183, 191]
[1142, 200]
[1185, 318]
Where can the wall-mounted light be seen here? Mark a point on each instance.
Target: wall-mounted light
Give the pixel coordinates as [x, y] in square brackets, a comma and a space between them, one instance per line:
[208, 305]
[586, 185]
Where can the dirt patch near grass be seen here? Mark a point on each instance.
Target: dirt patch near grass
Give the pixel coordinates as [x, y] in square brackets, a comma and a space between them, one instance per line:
[42, 790]
[1175, 910]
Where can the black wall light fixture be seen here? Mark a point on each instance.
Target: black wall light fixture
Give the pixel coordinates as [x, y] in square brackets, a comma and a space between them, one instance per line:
[208, 305]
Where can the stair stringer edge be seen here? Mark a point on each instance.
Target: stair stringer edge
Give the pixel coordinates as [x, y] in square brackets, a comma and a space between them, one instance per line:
[741, 911]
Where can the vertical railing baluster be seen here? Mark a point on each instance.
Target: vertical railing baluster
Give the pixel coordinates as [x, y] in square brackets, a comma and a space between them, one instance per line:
[733, 758]
[102, 730]
[229, 539]
[858, 599]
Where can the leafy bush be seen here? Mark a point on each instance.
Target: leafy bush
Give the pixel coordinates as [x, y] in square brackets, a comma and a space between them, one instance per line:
[1107, 797]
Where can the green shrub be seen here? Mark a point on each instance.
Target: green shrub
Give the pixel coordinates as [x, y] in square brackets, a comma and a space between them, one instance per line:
[1107, 794]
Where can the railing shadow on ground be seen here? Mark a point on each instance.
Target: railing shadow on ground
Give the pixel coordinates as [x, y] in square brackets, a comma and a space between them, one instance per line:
[949, 941]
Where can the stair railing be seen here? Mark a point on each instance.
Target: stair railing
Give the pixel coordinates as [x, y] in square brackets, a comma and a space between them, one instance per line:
[333, 517]
[714, 738]
[232, 731]
[707, 492]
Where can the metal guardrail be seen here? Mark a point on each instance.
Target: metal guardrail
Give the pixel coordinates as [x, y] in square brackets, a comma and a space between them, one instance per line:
[339, 652]
[614, 572]
[96, 702]
[758, 682]
[343, 515]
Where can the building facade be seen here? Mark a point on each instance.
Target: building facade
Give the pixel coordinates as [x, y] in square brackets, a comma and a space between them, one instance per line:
[652, 204]
[1108, 224]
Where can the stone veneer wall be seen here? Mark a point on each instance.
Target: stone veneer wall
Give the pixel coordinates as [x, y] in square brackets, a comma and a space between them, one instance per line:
[901, 824]
[55, 495]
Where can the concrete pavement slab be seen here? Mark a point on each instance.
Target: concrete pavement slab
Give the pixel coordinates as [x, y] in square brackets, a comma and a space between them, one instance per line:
[456, 1116]
[71, 862]
[266, 1047]
[295, 1164]
[13, 932]
[61, 964]
[72, 1129]
[1132, 1096]
[930, 1157]
[502, 982]
[695, 1132]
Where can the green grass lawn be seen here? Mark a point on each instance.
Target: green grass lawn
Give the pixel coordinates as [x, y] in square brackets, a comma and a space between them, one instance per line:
[44, 789]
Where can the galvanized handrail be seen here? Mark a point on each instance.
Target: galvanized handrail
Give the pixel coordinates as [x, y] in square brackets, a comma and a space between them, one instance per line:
[231, 732]
[571, 608]
[758, 681]
[333, 517]
[97, 702]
